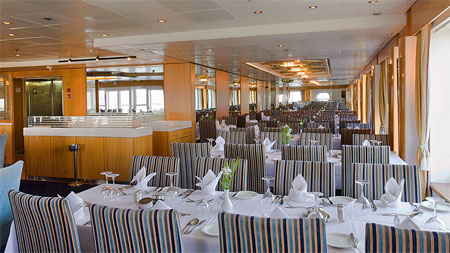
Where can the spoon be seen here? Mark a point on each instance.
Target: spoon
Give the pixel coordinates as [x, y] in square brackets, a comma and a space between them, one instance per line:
[192, 222]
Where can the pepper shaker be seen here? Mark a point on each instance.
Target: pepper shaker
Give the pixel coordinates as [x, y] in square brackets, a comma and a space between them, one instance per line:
[340, 212]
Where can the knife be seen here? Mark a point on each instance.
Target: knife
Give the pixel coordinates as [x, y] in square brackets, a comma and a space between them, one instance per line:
[352, 236]
[193, 228]
[189, 194]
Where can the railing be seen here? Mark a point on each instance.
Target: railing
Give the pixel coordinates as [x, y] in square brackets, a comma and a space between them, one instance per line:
[130, 121]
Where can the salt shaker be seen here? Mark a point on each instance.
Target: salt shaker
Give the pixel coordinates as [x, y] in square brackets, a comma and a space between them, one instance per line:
[340, 212]
[137, 196]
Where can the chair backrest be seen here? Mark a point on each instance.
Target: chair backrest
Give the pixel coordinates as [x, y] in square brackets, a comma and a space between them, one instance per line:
[254, 154]
[239, 183]
[241, 121]
[271, 129]
[159, 164]
[319, 176]
[359, 154]
[272, 136]
[44, 224]
[250, 132]
[293, 124]
[359, 125]
[316, 130]
[358, 139]
[239, 233]
[379, 174]
[317, 153]
[346, 135]
[344, 121]
[127, 230]
[321, 138]
[232, 120]
[318, 124]
[207, 128]
[3, 139]
[382, 238]
[268, 123]
[234, 137]
[187, 152]
[9, 180]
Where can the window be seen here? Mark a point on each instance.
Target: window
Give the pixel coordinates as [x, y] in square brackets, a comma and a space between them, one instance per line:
[90, 96]
[102, 100]
[280, 98]
[211, 98]
[124, 101]
[156, 100]
[112, 101]
[198, 99]
[295, 96]
[128, 99]
[323, 96]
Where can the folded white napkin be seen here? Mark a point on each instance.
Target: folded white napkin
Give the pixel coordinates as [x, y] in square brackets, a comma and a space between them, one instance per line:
[224, 123]
[394, 191]
[278, 213]
[407, 223]
[321, 127]
[75, 201]
[220, 143]
[209, 182]
[160, 205]
[349, 127]
[366, 143]
[268, 145]
[82, 213]
[217, 124]
[142, 185]
[356, 127]
[256, 130]
[247, 118]
[140, 175]
[298, 193]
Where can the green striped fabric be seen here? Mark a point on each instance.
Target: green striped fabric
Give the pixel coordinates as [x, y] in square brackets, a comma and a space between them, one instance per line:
[187, 152]
[233, 137]
[239, 233]
[250, 132]
[272, 136]
[322, 138]
[127, 230]
[159, 164]
[382, 238]
[358, 139]
[319, 176]
[254, 154]
[239, 183]
[317, 153]
[359, 154]
[43, 224]
[379, 174]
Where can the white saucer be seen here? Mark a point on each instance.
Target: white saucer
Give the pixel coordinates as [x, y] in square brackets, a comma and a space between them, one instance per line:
[246, 195]
[440, 207]
[211, 229]
[340, 240]
[341, 200]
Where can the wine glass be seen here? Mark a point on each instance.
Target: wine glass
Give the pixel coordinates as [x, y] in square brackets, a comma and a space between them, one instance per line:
[434, 219]
[172, 189]
[268, 196]
[115, 192]
[362, 199]
[203, 203]
[211, 140]
[106, 189]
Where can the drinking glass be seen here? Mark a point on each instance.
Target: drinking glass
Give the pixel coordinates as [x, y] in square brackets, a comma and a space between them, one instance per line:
[434, 219]
[106, 189]
[203, 204]
[362, 199]
[115, 192]
[172, 189]
[210, 140]
[268, 196]
[376, 142]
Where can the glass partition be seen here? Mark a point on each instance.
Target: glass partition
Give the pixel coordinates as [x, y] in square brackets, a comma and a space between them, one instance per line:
[205, 88]
[3, 101]
[234, 93]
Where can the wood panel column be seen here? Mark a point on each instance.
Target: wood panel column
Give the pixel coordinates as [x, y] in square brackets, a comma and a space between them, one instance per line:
[277, 91]
[179, 93]
[260, 95]
[245, 95]
[222, 94]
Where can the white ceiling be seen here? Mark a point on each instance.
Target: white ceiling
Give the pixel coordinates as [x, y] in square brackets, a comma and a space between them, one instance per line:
[344, 31]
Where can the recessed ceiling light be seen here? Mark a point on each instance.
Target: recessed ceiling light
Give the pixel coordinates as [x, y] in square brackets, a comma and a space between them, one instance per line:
[11, 34]
[373, 2]
[210, 50]
[48, 19]
[257, 12]
[91, 50]
[376, 13]
[6, 22]
[177, 52]
[362, 41]
[17, 55]
[161, 21]
[313, 7]
[281, 45]
[105, 35]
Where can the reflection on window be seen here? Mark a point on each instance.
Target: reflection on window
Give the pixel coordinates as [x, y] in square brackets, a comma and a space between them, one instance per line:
[280, 98]
[252, 96]
[323, 96]
[90, 96]
[235, 97]
[198, 99]
[131, 99]
[124, 101]
[211, 98]
[156, 100]
[295, 96]
[2, 97]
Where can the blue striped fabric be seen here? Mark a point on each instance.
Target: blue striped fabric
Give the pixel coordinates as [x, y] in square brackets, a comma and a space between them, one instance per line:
[319, 176]
[273, 136]
[43, 224]
[379, 174]
[321, 138]
[249, 131]
[187, 152]
[239, 233]
[358, 139]
[304, 153]
[159, 164]
[382, 238]
[239, 183]
[127, 230]
[359, 154]
[254, 155]
[233, 137]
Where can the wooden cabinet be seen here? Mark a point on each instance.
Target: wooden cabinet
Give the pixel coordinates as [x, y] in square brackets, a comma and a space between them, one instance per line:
[162, 140]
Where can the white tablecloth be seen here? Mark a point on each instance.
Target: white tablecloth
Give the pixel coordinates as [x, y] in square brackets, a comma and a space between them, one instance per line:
[355, 219]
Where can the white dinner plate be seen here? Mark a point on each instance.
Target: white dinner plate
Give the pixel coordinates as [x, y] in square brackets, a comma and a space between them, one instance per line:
[341, 200]
[246, 195]
[340, 240]
[440, 207]
[211, 229]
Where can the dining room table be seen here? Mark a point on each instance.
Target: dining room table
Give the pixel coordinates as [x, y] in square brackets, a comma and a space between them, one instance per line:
[204, 238]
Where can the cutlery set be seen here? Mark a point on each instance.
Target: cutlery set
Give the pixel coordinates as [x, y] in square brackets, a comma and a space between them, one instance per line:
[192, 225]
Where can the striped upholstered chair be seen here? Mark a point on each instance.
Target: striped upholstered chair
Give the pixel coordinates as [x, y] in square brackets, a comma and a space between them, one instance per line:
[249, 131]
[316, 124]
[315, 130]
[268, 123]
[358, 139]
[187, 152]
[304, 153]
[352, 125]
[382, 238]
[230, 120]
[293, 124]
[233, 137]
[254, 154]
[321, 138]
[271, 129]
[318, 175]
[44, 224]
[203, 164]
[359, 154]
[126, 230]
[344, 121]
[207, 128]
[379, 174]
[346, 135]
[272, 136]
[159, 164]
[239, 233]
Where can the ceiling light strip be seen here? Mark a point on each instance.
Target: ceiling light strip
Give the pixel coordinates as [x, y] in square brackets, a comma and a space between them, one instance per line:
[99, 59]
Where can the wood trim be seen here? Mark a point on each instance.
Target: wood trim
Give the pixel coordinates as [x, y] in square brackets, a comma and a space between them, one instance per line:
[222, 94]
[245, 95]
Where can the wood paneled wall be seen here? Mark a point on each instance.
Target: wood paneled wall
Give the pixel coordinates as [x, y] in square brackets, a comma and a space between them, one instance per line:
[245, 95]
[222, 94]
